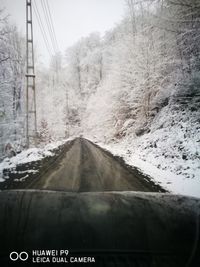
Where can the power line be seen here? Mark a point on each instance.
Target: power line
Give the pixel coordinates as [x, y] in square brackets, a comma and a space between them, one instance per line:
[52, 41]
[52, 25]
[40, 23]
[42, 28]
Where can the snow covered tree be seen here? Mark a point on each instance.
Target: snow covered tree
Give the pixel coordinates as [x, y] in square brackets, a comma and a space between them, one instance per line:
[12, 72]
[44, 135]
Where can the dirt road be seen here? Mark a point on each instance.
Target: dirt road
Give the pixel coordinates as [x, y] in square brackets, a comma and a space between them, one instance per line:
[74, 204]
[87, 168]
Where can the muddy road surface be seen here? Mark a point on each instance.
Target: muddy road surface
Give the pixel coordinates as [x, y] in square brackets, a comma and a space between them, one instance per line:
[85, 167]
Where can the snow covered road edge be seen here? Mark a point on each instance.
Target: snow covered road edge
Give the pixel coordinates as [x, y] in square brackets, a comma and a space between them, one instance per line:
[175, 184]
[28, 156]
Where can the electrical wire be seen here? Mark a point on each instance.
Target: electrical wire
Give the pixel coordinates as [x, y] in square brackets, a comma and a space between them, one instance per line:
[49, 23]
[46, 17]
[43, 32]
[52, 25]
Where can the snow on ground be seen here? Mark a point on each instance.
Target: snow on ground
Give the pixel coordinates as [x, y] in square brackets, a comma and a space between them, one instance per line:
[177, 184]
[29, 155]
[169, 154]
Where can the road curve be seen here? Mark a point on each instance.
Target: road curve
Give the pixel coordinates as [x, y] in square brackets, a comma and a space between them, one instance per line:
[87, 168]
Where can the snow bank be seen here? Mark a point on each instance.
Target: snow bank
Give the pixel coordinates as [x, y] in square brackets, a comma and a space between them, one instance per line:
[176, 184]
[29, 155]
[169, 152]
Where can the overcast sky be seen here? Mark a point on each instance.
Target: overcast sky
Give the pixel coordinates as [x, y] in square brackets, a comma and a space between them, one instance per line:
[72, 19]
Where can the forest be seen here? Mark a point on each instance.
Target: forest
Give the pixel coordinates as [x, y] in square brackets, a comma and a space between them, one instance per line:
[135, 90]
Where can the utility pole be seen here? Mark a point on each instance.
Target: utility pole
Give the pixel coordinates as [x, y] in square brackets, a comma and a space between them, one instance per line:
[31, 119]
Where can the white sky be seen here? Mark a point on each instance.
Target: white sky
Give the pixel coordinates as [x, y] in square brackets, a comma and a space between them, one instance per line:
[72, 19]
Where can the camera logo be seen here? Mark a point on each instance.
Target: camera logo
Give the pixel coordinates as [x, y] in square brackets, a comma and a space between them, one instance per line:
[14, 256]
